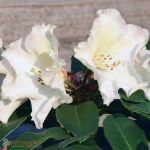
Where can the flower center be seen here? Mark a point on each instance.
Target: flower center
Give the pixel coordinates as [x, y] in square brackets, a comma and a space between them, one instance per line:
[105, 62]
[38, 74]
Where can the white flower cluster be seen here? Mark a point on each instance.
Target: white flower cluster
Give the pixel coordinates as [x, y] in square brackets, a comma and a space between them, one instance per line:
[115, 52]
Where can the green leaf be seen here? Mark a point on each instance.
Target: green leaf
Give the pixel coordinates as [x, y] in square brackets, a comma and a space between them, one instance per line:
[123, 134]
[122, 94]
[148, 45]
[13, 123]
[30, 140]
[142, 109]
[137, 107]
[76, 65]
[136, 97]
[86, 140]
[81, 120]
[75, 147]
[69, 141]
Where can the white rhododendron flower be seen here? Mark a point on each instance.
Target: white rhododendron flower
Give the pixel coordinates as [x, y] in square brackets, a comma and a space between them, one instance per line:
[110, 52]
[33, 70]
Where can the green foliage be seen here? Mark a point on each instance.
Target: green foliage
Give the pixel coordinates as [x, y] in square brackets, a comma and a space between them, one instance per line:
[138, 96]
[13, 123]
[148, 45]
[136, 103]
[75, 147]
[76, 65]
[34, 139]
[123, 134]
[142, 109]
[81, 120]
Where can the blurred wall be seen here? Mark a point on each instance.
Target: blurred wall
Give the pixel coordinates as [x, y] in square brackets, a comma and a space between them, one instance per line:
[73, 18]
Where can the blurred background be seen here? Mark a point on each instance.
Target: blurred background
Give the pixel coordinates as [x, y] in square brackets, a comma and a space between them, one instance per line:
[73, 18]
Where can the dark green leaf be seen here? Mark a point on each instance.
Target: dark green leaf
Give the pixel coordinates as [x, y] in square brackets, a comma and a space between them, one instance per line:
[69, 141]
[76, 65]
[137, 107]
[123, 134]
[123, 94]
[30, 140]
[75, 147]
[137, 96]
[81, 120]
[148, 45]
[13, 123]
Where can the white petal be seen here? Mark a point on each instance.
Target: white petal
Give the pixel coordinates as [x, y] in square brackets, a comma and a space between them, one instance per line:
[42, 97]
[107, 27]
[142, 66]
[41, 40]
[108, 87]
[1, 43]
[40, 110]
[7, 108]
[18, 59]
[41, 107]
[3, 69]
[24, 86]
[111, 81]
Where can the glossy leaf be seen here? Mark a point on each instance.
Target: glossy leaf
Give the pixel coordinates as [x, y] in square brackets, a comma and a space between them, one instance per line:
[123, 134]
[142, 109]
[81, 120]
[137, 97]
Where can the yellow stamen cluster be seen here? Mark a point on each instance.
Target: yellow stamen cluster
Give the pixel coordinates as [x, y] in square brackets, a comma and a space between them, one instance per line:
[105, 62]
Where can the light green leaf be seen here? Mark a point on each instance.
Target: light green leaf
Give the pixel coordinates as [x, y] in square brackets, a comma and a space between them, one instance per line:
[123, 134]
[33, 139]
[81, 120]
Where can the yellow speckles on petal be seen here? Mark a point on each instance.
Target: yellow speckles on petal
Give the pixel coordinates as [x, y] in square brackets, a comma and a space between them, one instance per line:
[37, 73]
[102, 61]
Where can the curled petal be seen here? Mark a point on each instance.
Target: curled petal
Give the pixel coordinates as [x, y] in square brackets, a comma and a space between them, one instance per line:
[41, 40]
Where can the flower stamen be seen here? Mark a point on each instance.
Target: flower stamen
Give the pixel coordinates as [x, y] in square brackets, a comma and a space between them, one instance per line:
[38, 73]
[105, 62]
